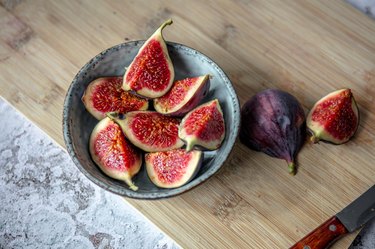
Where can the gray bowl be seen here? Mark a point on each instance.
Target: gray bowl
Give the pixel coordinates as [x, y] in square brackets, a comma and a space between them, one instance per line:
[78, 123]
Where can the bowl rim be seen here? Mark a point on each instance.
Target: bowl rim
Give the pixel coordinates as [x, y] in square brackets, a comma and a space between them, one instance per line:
[125, 192]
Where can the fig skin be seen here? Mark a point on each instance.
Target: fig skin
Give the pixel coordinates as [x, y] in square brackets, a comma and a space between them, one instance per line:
[191, 93]
[204, 126]
[273, 122]
[174, 168]
[145, 67]
[106, 93]
[149, 130]
[125, 158]
[334, 118]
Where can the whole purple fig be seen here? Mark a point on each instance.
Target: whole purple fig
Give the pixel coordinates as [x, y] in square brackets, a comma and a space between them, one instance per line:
[273, 122]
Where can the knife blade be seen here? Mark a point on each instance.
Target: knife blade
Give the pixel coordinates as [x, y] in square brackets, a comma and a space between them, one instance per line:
[352, 217]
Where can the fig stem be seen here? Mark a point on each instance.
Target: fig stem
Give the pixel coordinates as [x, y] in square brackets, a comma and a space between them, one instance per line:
[112, 115]
[168, 22]
[189, 146]
[292, 168]
[115, 116]
[131, 184]
[314, 139]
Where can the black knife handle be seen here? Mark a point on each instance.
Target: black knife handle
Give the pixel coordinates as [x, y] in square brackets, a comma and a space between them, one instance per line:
[323, 236]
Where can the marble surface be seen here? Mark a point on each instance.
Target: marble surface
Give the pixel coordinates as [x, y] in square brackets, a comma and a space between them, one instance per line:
[366, 238]
[366, 6]
[45, 202]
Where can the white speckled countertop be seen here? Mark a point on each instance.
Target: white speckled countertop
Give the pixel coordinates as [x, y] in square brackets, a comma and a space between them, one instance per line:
[47, 203]
[366, 6]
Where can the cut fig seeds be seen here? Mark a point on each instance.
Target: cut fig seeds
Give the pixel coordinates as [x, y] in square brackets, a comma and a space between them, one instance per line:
[203, 126]
[127, 128]
[151, 73]
[334, 118]
[114, 155]
[174, 168]
[106, 95]
[184, 96]
[149, 130]
[273, 122]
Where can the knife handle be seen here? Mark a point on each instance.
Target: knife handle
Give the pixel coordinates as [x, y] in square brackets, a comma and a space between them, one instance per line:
[322, 236]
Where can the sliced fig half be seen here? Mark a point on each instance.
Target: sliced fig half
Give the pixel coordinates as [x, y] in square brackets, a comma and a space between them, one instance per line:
[184, 96]
[151, 73]
[114, 155]
[150, 130]
[334, 118]
[203, 126]
[106, 95]
[174, 168]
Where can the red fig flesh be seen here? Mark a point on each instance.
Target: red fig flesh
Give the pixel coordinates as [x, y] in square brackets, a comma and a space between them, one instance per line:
[114, 155]
[334, 118]
[106, 95]
[174, 168]
[184, 96]
[273, 122]
[203, 126]
[150, 131]
[151, 73]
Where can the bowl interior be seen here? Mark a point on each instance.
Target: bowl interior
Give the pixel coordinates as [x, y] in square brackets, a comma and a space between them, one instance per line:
[78, 123]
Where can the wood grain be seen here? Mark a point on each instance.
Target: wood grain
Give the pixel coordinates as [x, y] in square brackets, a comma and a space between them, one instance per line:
[308, 48]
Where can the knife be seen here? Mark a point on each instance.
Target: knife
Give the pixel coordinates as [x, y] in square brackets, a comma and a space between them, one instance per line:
[355, 215]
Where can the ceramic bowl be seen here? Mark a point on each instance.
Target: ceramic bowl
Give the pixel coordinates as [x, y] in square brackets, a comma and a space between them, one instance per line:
[78, 123]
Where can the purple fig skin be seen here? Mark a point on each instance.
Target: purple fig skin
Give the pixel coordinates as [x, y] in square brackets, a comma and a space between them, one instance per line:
[193, 102]
[194, 95]
[201, 93]
[273, 122]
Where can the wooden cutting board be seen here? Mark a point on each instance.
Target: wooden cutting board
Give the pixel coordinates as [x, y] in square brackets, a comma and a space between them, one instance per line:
[308, 48]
